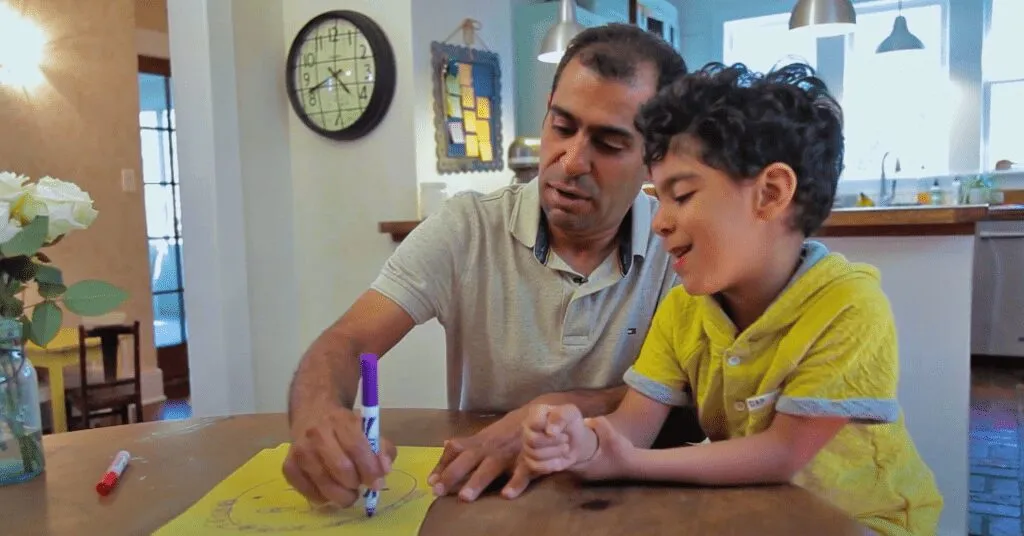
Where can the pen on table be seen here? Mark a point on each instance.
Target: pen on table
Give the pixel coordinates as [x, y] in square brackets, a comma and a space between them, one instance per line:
[113, 474]
[371, 418]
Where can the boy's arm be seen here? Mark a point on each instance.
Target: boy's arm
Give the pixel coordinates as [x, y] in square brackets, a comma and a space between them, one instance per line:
[848, 376]
[639, 418]
[772, 456]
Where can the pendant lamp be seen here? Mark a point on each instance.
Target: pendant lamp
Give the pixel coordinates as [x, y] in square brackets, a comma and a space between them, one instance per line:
[558, 37]
[900, 38]
[823, 17]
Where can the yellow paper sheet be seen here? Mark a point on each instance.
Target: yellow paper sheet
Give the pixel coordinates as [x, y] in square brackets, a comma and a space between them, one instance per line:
[486, 151]
[472, 146]
[483, 108]
[257, 499]
[469, 121]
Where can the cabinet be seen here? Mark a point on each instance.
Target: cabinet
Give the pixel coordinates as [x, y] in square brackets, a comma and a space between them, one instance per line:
[997, 316]
[533, 77]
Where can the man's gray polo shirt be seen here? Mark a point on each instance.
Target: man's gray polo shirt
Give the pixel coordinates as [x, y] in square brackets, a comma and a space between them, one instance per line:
[518, 321]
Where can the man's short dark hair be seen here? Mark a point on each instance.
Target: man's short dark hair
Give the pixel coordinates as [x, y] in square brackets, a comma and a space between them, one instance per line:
[742, 121]
[615, 50]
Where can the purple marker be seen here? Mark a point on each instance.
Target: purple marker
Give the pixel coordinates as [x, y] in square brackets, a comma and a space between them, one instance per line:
[371, 417]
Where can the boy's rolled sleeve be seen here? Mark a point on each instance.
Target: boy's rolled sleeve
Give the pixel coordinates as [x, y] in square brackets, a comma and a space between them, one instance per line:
[657, 373]
[851, 371]
[419, 275]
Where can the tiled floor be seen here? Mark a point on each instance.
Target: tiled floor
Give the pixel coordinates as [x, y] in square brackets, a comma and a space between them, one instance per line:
[995, 452]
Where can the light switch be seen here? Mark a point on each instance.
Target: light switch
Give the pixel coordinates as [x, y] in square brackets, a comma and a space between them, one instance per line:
[128, 180]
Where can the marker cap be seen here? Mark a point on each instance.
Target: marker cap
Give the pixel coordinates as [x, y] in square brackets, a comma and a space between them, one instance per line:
[368, 370]
[105, 486]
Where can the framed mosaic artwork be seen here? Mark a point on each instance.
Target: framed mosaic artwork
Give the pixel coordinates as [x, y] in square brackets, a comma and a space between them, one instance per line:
[467, 108]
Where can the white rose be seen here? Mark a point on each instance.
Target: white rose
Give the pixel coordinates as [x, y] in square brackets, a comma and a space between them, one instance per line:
[11, 189]
[8, 227]
[64, 202]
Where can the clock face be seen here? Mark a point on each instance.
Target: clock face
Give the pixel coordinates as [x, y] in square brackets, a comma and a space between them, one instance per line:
[341, 75]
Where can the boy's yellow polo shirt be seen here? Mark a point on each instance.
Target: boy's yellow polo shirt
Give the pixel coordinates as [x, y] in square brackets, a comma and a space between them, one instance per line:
[825, 347]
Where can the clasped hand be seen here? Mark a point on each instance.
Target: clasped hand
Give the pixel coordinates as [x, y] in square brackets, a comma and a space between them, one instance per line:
[558, 438]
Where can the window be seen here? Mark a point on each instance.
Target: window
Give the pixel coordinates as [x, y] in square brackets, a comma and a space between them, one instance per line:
[898, 103]
[163, 206]
[762, 43]
[1003, 74]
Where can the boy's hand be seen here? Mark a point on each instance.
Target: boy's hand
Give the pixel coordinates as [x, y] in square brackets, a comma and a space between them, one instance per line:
[555, 438]
[615, 456]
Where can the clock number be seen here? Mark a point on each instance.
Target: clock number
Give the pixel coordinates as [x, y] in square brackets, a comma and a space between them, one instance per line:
[310, 59]
[369, 72]
[337, 118]
[305, 78]
[350, 43]
[362, 92]
[334, 34]
[312, 99]
[362, 52]
[319, 42]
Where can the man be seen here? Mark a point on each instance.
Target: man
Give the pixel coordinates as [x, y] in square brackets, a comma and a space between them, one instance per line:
[545, 290]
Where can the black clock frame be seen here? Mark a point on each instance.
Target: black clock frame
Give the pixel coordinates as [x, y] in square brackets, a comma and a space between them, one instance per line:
[384, 73]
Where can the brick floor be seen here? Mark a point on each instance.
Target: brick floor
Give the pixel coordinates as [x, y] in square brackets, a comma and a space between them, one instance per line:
[996, 507]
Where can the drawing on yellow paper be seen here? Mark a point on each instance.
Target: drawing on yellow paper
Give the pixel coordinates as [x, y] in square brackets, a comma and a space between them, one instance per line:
[257, 499]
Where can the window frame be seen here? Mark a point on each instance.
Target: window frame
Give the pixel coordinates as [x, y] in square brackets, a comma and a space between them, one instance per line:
[162, 67]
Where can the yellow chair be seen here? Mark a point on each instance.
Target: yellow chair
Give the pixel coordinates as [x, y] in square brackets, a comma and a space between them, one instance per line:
[59, 353]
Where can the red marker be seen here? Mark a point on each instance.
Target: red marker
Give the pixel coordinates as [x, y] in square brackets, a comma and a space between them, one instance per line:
[110, 478]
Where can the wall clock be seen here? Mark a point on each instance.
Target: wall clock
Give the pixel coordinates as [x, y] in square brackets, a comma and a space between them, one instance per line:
[340, 74]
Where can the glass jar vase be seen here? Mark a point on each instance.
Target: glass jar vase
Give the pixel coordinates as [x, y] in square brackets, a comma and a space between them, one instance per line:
[21, 430]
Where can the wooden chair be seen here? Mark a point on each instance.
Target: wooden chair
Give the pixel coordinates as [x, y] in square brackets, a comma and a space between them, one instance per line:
[109, 396]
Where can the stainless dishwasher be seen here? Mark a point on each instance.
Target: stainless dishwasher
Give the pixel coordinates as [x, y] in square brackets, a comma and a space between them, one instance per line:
[997, 311]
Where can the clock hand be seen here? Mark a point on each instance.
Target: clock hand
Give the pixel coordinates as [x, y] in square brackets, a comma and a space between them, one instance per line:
[316, 87]
[335, 75]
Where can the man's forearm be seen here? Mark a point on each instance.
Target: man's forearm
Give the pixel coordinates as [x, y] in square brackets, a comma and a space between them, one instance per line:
[327, 376]
[592, 402]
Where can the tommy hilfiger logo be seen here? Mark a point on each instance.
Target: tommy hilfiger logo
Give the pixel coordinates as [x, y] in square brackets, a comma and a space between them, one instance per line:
[630, 331]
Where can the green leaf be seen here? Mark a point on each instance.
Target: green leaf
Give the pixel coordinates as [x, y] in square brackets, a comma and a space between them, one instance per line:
[50, 280]
[92, 297]
[26, 328]
[10, 306]
[46, 320]
[49, 274]
[14, 286]
[28, 240]
[51, 290]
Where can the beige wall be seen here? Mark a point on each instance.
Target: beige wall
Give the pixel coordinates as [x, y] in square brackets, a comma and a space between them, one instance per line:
[82, 125]
[151, 15]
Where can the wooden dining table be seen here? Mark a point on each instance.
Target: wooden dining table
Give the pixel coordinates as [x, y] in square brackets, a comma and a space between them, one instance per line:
[175, 463]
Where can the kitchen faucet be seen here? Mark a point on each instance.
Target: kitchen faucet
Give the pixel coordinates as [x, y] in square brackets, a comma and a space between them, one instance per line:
[886, 199]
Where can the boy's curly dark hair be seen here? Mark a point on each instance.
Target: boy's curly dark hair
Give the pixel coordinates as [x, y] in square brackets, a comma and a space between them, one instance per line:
[744, 121]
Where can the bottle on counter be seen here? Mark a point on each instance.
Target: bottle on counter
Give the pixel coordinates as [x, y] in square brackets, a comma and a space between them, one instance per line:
[955, 193]
[936, 193]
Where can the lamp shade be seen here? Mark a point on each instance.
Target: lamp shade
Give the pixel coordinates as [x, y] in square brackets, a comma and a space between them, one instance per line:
[823, 17]
[900, 38]
[558, 37]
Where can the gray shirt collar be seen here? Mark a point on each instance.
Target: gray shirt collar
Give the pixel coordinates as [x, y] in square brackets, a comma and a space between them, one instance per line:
[529, 226]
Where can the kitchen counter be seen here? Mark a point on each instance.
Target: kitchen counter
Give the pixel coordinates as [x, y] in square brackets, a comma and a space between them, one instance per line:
[924, 220]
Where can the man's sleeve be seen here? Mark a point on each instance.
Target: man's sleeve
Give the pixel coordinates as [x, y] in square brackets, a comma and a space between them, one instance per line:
[419, 275]
[657, 373]
[850, 371]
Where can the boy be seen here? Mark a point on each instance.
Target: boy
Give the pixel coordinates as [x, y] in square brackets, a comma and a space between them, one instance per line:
[789, 350]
